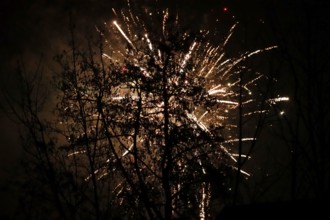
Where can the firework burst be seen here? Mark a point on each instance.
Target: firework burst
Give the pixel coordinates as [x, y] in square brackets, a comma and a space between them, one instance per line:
[155, 113]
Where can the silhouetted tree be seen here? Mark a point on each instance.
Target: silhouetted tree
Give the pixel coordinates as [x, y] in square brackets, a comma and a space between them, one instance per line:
[143, 128]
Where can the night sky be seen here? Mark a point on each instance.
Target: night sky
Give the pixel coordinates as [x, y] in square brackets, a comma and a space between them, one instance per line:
[35, 30]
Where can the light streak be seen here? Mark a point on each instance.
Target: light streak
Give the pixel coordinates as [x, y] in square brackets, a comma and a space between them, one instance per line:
[188, 55]
[237, 140]
[279, 99]
[76, 152]
[227, 102]
[149, 42]
[242, 171]
[242, 155]
[123, 33]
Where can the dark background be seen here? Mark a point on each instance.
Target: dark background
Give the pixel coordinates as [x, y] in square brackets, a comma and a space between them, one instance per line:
[35, 31]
